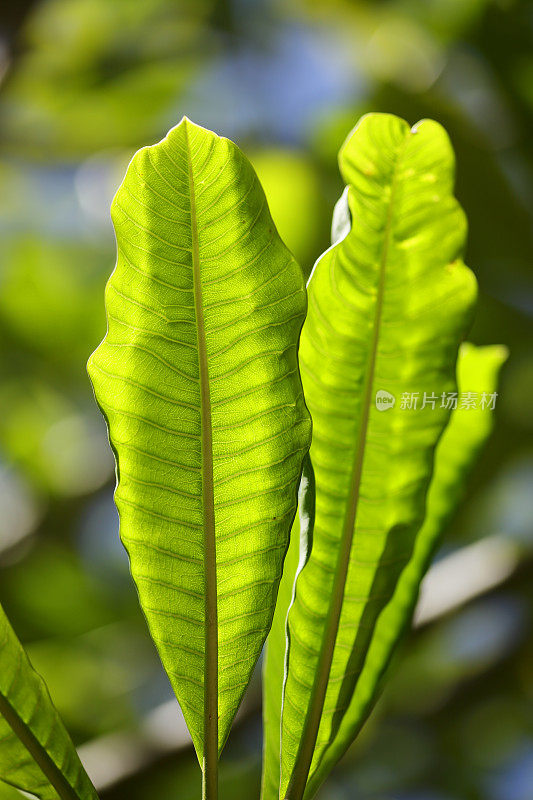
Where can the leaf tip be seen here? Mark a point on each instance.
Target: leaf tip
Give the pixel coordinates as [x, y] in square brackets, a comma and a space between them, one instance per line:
[372, 129]
[186, 124]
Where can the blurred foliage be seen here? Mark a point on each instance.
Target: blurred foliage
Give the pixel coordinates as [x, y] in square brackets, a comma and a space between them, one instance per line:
[83, 83]
[90, 66]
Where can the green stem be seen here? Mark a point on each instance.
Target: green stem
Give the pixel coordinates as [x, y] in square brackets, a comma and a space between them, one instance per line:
[210, 761]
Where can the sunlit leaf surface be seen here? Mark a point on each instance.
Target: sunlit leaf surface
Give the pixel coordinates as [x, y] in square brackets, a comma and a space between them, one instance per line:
[463, 437]
[468, 429]
[199, 382]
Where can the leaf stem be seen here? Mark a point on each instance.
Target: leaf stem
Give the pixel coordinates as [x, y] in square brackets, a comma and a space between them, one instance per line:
[210, 759]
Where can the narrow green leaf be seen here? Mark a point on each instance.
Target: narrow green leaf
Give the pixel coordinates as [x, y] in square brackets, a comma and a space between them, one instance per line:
[198, 380]
[388, 307]
[36, 752]
[276, 651]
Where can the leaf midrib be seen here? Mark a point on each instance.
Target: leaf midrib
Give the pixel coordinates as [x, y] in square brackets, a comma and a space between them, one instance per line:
[43, 760]
[300, 773]
[210, 758]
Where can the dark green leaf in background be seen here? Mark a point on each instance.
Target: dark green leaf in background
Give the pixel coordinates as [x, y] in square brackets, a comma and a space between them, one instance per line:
[36, 752]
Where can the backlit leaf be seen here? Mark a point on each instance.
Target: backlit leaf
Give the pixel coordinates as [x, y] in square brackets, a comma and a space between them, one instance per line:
[388, 306]
[199, 383]
[457, 450]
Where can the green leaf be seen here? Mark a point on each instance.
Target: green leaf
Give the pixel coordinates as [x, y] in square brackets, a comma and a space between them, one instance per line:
[36, 752]
[388, 307]
[199, 382]
[457, 450]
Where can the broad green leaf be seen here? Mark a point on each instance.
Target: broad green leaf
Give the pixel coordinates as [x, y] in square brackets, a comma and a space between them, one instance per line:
[36, 752]
[457, 450]
[388, 307]
[199, 382]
